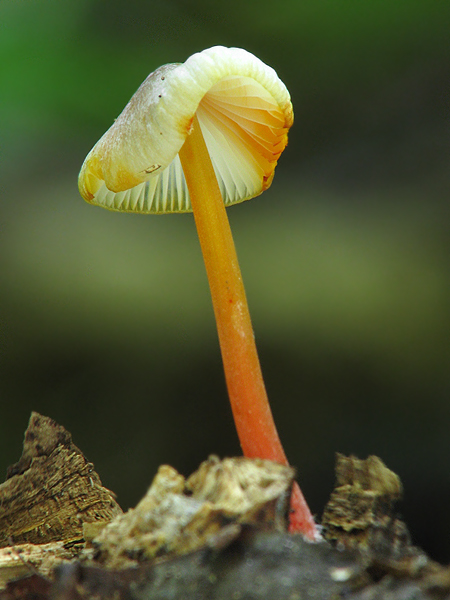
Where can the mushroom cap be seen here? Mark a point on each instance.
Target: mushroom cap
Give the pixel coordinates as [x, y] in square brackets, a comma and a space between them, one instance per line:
[244, 111]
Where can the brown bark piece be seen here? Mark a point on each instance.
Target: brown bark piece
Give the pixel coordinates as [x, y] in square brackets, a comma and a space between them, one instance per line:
[52, 490]
[360, 508]
[360, 516]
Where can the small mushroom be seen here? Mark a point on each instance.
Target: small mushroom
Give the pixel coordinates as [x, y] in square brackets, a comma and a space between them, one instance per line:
[196, 137]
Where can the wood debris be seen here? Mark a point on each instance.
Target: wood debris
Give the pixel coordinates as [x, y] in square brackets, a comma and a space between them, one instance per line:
[178, 516]
[218, 535]
[52, 490]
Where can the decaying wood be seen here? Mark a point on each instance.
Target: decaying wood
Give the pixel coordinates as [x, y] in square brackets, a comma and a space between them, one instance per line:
[219, 535]
[361, 510]
[52, 490]
[361, 515]
[257, 565]
[27, 559]
[178, 516]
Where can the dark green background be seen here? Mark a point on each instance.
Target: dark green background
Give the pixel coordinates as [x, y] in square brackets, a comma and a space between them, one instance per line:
[106, 323]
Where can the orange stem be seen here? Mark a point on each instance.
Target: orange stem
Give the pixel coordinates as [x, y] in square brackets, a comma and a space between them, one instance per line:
[252, 415]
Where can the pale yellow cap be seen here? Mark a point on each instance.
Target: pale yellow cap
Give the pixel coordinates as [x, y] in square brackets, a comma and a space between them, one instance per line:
[244, 111]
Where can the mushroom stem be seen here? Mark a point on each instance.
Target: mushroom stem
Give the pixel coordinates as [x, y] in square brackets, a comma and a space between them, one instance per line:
[251, 411]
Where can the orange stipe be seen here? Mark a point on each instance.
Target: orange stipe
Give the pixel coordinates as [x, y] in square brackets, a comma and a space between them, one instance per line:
[251, 410]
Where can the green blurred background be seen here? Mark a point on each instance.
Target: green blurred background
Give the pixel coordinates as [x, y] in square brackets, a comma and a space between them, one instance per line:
[106, 323]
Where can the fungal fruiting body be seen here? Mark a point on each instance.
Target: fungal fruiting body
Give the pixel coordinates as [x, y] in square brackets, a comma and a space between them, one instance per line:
[196, 137]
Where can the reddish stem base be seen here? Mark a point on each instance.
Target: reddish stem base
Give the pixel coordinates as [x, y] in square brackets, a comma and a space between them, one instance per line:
[300, 518]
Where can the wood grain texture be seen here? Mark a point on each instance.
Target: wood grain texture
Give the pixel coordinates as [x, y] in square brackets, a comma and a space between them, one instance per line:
[52, 491]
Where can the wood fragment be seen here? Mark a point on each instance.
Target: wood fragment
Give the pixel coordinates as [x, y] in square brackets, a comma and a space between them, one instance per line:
[178, 516]
[219, 535]
[52, 490]
[360, 512]
[257, 565]
[360, 515]
[24, 560]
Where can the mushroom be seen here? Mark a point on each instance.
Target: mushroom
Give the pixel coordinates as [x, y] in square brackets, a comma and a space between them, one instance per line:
[197, 137]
